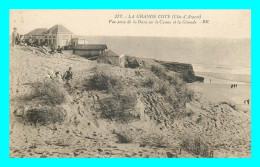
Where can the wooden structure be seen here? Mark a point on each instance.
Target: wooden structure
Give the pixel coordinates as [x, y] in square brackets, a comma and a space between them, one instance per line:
[110, 57]
[89, 50]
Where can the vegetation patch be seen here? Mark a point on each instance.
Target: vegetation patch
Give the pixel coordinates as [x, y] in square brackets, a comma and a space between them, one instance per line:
[124, 137]
[102, 81]
[159, 71]
[48, 93]
[119, 108]
[154, 140]
[45, 115]
[131, 62]
[197, 146]
[149, 82]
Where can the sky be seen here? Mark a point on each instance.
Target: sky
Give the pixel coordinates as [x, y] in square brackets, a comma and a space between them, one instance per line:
[222, 23]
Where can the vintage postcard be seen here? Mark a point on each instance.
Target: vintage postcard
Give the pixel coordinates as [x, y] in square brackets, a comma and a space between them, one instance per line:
[130, 83]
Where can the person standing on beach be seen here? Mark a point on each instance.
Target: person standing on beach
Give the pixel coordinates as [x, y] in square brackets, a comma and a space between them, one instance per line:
[15, 37]
[248, 101]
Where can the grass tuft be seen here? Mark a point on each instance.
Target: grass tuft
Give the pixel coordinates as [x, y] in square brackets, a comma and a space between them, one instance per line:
[49, 93]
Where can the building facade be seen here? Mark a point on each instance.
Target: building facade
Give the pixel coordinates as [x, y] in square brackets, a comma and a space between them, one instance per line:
[79, 40]
[56, 36]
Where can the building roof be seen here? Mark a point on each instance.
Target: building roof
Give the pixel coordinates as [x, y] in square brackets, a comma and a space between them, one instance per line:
[37, 31]
[91, 47]
[58, 29]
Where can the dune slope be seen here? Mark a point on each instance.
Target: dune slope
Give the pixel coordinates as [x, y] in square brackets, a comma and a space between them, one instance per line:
[130, 115]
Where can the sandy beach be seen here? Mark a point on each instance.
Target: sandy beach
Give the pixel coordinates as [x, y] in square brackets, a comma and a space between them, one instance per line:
[217, 85]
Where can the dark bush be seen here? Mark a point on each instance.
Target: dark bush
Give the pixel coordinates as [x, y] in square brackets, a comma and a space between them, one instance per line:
[45, 115]
[159, 71]
[149, 82]
[197, 146]
[131, 62]
[101, 81]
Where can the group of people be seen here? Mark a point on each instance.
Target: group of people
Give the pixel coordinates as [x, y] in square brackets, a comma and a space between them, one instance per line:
[233, 85]
[20, 40]
[65, 78]
[16, 38]
[247, 101]
[54, 50]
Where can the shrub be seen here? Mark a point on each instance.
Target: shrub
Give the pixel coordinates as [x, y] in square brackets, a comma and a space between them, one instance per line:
[149, 82]
[124, 137]
[196, 146]
[170, 85]
[131, 62]
[164, 88]
[159, 71]
[118, 107]
[155, 140]
[45, 115]
[49, 93]
[101, 81]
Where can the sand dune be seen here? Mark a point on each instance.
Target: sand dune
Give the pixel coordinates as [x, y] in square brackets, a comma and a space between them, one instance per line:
[84, 133]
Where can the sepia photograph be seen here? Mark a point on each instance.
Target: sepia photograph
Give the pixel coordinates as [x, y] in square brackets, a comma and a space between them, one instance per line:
[130, 83]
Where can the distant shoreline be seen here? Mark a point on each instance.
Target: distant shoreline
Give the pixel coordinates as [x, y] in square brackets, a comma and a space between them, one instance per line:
[225, 78]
